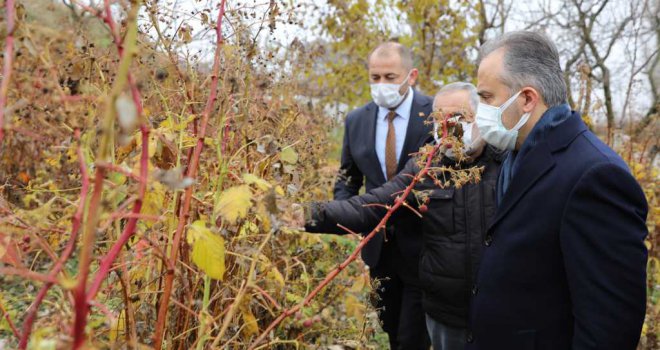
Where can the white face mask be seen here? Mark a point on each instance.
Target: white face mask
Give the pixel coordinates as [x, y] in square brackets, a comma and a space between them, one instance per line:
[489, 121]
[466, 139]
[387, 95]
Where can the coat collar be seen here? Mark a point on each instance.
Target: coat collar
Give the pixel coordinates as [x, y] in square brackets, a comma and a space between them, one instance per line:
[569, 129]
[539, 161]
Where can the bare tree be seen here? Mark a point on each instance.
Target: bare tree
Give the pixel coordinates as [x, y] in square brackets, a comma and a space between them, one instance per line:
[492, 15]
[598, 54]
[653, 70]
[634, 52]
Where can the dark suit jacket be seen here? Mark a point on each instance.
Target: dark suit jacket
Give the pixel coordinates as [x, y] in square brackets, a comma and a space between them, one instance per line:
[359, 162]
[564, 264]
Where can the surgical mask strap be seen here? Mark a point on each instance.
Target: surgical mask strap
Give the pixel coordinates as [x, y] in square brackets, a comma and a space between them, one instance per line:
[509, 102]
[523, 119]
[521, 122]
[405, 81]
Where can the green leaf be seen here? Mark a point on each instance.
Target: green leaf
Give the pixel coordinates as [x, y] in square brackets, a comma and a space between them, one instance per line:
[208, 250]
[289, 155]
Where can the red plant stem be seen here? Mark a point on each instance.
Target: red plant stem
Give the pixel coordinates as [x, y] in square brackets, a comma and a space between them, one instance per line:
[66, 254]
[192, 170]
[268, 297]
[81, 305]
[10, 12]
[9, 321]
[30, 316]
[107, 18]
[381, 226]
[129, 229]
[26, 273]
[80, 293]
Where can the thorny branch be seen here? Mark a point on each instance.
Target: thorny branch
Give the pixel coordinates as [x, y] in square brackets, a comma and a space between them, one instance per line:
[10, 12]
[400, 201]
[192, 171]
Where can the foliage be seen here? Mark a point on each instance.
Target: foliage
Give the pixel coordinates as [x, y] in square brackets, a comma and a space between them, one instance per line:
[112, 134]
[263, 145]
[443, 40]
[438, 32]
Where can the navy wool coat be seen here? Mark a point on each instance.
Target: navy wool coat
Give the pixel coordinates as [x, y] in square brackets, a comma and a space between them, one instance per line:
[564, 263]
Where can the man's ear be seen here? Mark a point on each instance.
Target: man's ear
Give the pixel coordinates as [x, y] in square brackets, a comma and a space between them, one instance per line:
[412, 79]
[532, 99]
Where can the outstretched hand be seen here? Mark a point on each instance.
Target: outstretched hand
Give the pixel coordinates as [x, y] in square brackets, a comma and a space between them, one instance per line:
[294, 219]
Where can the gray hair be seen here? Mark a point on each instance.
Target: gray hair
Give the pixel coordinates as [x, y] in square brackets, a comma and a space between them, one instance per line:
[461, 86]
[530, 59]
[389, 47]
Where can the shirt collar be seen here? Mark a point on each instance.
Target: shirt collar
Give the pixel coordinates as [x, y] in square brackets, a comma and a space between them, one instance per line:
[404, 108]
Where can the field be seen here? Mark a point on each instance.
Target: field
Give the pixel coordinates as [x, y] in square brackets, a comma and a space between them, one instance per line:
[150, 156]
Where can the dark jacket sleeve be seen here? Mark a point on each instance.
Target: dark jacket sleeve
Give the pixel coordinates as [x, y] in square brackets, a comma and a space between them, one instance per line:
[350, 178]
[602, 241]
[352, 213]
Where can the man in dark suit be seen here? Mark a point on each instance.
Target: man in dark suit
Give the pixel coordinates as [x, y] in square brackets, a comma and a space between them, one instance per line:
[564, 264]
[378, 139]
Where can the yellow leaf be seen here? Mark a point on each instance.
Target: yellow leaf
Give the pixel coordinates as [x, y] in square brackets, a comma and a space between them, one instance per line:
[170, 124]
[154, 202]
[4, 242]
[261, 184]
[360, 283]
[275, 275]
[208, 250]
[354, 308]
[250, 326]
[234, 203]
[247, 229]
[117, 327]
[264, 217]
[153, 142]
[289, 155]
[67, 282]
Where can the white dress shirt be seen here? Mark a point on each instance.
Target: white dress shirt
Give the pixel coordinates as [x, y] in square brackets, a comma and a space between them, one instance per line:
[400, 127]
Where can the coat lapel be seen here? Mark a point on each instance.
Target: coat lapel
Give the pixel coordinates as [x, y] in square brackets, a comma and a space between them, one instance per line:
[417, 131]
[539, 161]
[536, 164]
[370, 137]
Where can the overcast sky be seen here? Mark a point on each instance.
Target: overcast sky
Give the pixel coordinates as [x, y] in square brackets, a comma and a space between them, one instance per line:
[519, 18]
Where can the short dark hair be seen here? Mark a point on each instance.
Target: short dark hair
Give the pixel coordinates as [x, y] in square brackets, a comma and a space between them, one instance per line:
[392, 45]
[530, 59]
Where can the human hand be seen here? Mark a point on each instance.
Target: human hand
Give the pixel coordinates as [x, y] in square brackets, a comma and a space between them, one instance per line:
[294, 218]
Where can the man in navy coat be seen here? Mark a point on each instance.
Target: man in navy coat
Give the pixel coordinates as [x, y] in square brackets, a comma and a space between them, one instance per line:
[564, 264]
[375, 149]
